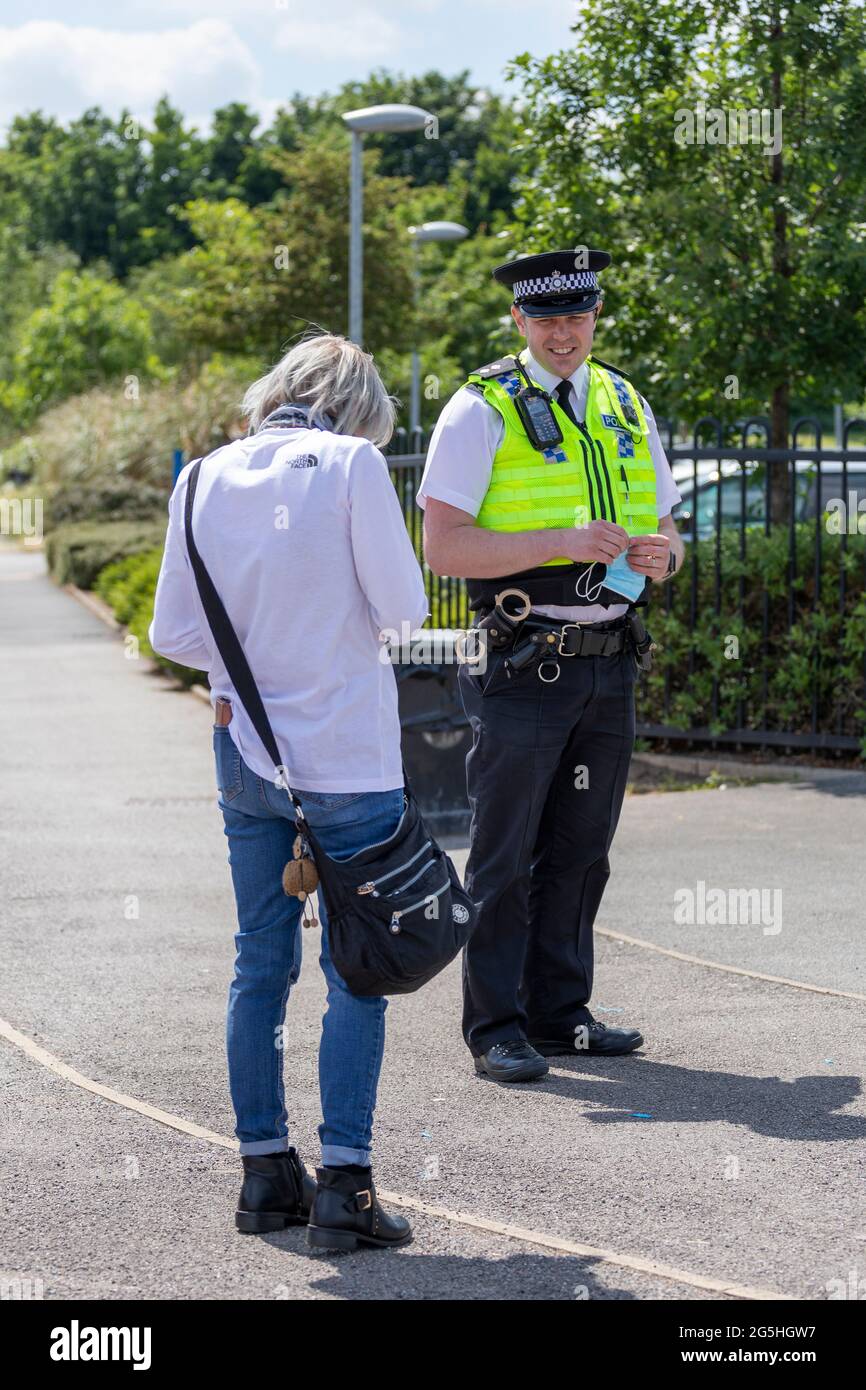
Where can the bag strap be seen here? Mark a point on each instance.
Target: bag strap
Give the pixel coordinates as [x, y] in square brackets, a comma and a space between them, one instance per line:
[227, 642]
[226, 638]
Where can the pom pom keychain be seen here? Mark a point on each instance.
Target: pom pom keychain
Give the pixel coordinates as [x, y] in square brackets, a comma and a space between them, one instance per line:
[300, 878]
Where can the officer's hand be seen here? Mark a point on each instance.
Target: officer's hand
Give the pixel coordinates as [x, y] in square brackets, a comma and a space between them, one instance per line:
[598, 541]
[649, 555]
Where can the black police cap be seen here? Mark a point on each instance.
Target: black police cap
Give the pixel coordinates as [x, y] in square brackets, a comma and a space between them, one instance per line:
[554, 282]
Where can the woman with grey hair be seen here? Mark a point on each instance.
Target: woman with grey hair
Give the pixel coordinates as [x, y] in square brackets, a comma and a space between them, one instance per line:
[301, 531]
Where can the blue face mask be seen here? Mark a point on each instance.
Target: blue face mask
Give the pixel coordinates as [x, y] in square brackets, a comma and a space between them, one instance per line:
[623, 579]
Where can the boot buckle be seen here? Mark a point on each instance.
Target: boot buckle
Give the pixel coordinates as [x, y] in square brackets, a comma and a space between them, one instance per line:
[364, 1206]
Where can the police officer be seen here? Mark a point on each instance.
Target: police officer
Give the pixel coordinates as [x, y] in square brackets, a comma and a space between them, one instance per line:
[546, 477]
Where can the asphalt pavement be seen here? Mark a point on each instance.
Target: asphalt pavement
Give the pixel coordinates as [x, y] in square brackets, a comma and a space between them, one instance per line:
[724, 1158]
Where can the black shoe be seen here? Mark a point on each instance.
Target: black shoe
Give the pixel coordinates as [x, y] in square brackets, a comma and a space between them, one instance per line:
[277, 1192]
[346, 1213]
[512, 1060]
[593, 1038]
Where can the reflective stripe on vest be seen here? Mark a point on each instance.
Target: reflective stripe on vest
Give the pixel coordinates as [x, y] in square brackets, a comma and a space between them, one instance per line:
[601, 470]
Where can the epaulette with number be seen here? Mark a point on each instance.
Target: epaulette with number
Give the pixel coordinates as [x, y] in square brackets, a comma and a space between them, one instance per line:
[618, 370]
[497, 368]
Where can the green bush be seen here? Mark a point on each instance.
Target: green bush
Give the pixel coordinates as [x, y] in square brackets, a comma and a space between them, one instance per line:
[822, 656]
[114, 499]
[124, 584]
[770, 681]
[128, 586]
[76, 553]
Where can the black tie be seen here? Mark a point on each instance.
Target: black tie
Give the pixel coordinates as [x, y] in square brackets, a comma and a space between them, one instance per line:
[563, 393]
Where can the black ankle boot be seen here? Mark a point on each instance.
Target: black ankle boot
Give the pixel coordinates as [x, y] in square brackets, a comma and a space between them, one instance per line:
[277, 1192]
[346, 1213]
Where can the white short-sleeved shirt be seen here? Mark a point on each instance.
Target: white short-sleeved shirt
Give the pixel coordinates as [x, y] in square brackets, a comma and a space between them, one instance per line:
[460, 461]
[303, 536]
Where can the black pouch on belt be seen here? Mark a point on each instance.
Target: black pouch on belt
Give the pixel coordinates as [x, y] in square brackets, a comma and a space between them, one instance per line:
[642, 643]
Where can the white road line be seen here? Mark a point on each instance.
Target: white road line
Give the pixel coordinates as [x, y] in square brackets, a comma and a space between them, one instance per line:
[141, 1107]
[729, 969]
[558, 1244]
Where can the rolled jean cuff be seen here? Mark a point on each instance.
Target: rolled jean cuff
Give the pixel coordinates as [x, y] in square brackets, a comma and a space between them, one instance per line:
[265, 1146]
[337, 1156]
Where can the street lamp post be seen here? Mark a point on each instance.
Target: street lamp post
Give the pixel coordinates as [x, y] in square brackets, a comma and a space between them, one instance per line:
[427, 231]
[389, 117]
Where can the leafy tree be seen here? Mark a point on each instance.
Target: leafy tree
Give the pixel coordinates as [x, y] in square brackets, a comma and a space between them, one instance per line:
[729, 262]
[439, 376]
[461, 301]
[89, 331]
[235, 240]
[225, 293]
[227, 147]
[472, 136]
[109, 190]
[114, 190]
[81, 185]
[26, 278]
[473, 132]
[173, 177]
[260, 275]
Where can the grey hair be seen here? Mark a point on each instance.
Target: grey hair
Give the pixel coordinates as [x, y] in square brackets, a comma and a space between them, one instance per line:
[337, 382]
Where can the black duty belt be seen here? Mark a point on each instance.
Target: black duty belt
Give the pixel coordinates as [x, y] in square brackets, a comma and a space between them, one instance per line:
[578, 639]
[539, 641]
[543, 644]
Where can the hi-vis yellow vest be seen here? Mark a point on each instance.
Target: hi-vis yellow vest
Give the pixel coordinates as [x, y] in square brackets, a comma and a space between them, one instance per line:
[603, 469]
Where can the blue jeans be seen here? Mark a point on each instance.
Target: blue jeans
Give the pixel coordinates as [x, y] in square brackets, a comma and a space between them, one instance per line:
[260, 827]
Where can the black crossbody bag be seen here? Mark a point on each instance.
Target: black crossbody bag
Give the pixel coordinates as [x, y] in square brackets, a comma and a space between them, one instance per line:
[397, 912]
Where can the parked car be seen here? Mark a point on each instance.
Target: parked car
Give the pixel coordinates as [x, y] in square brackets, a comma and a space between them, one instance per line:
[754, 513]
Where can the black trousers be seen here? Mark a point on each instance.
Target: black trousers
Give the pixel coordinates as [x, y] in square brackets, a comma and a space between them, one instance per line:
[546, 776]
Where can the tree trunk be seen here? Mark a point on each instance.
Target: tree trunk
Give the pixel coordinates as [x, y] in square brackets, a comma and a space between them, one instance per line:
[780, 485]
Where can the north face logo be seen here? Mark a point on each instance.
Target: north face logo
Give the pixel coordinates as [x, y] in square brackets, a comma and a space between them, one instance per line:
[304, 461]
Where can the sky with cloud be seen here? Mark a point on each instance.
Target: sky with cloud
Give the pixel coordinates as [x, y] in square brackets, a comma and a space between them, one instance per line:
[205, 53]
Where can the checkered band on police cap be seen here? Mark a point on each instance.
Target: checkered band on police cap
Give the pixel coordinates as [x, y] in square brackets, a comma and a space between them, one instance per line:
[555, 284]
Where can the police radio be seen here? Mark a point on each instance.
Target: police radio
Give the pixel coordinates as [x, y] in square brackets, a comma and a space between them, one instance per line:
[536, 414]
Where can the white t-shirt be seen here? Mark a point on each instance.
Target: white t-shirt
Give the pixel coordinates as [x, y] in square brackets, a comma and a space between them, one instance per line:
[460, 461]
[303, 536]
